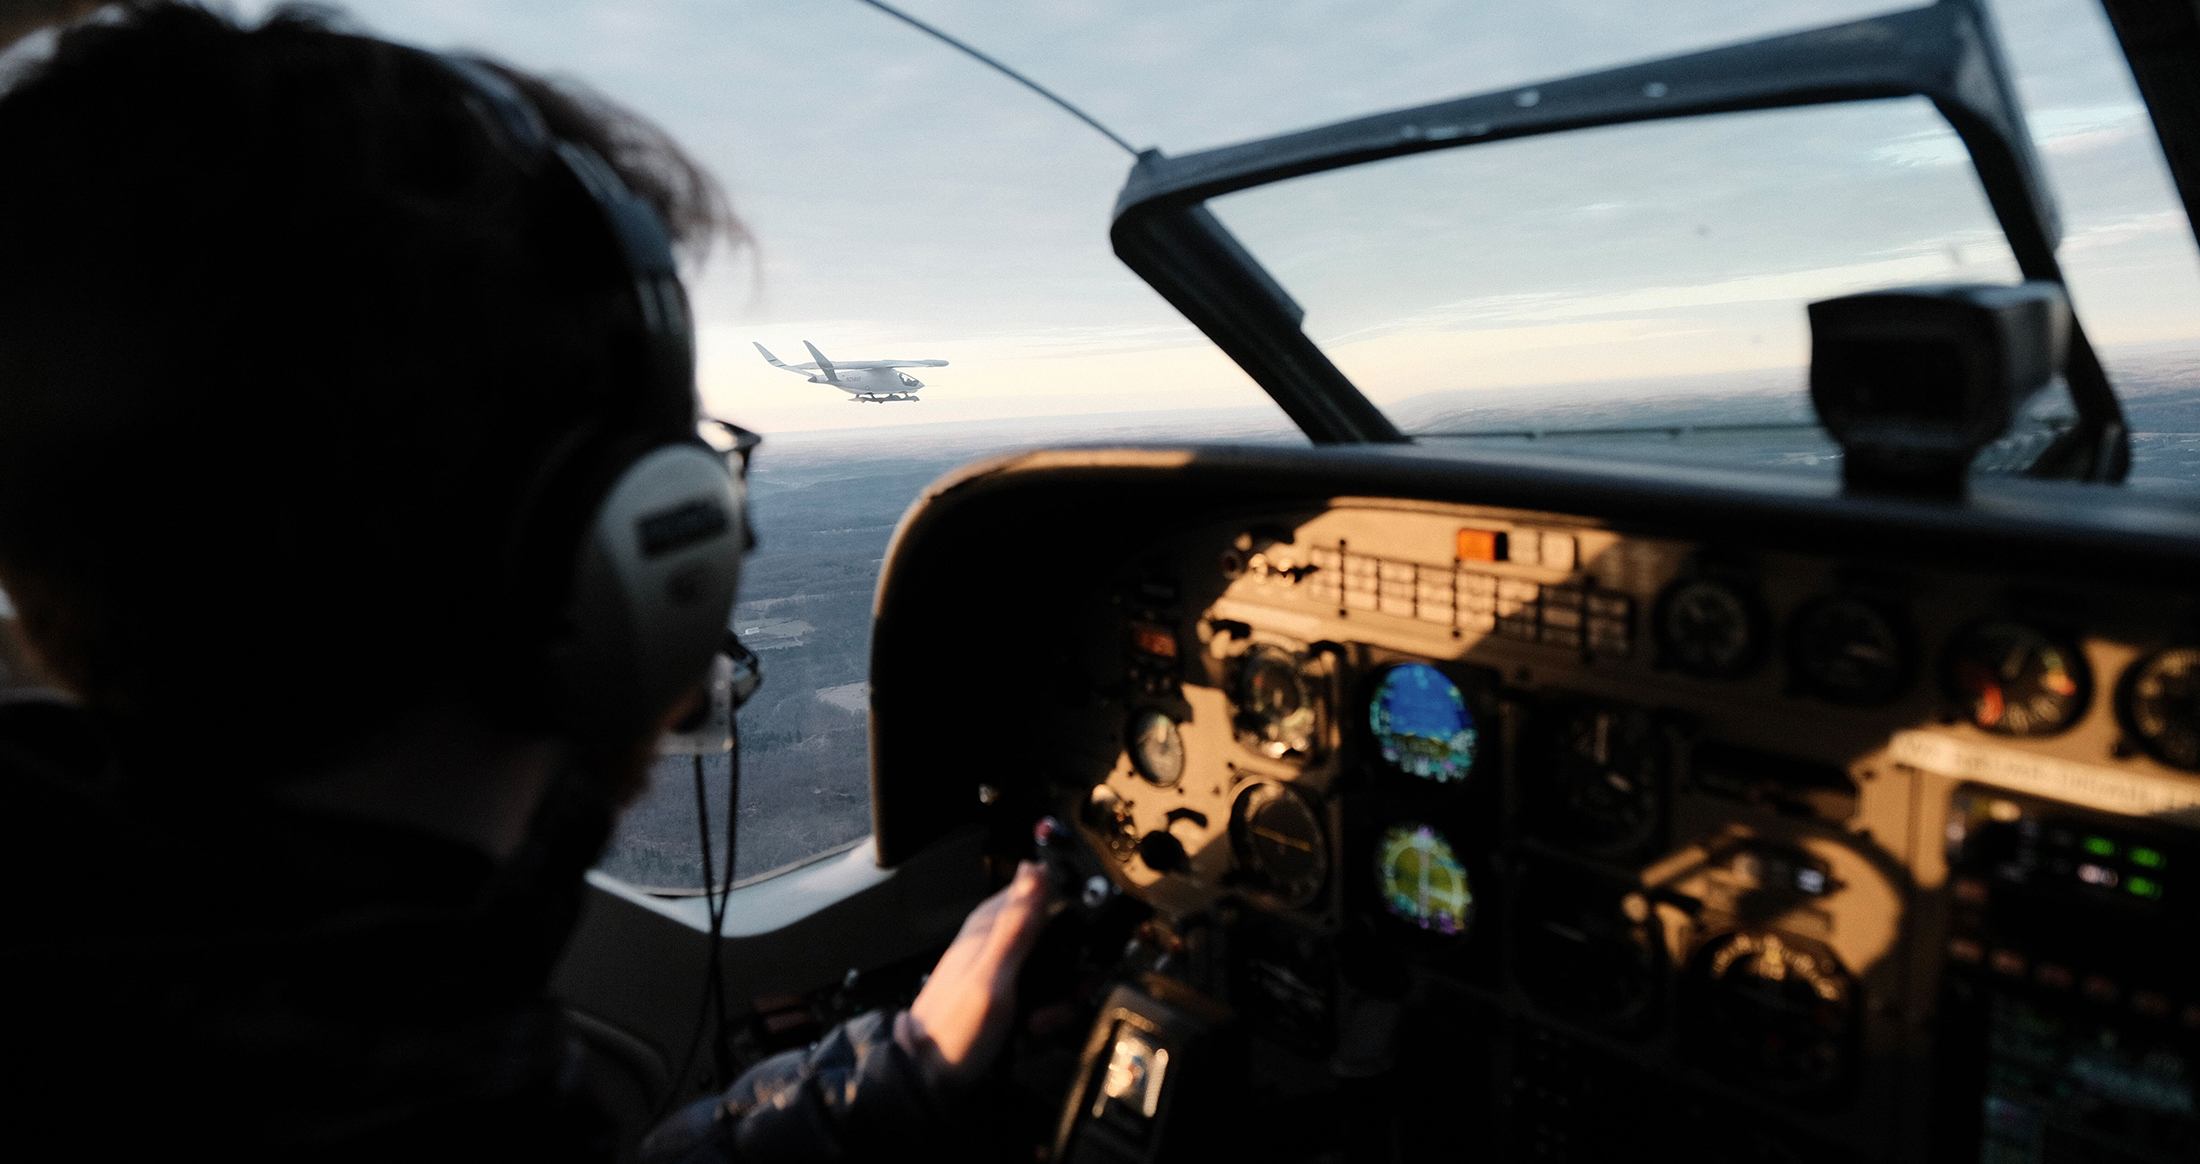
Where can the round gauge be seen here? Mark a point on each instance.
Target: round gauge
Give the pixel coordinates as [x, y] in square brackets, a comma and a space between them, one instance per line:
[1777, 1010]
[1589, 950]
[1422, 724]
[2161, 705]
[1279, 842]
[1850, 651]
[1609, 771]
[1421, 880]
[1156, 749]
[1710, 629]
[1275, 708]
[2017, 681]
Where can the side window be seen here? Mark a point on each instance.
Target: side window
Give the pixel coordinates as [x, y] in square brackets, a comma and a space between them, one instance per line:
[824, 506]
[917, 209]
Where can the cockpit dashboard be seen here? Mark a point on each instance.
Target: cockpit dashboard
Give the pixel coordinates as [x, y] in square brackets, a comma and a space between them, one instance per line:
[1529, 809]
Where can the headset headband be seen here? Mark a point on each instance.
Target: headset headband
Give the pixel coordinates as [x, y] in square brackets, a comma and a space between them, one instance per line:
[636, 231]
[632, 514]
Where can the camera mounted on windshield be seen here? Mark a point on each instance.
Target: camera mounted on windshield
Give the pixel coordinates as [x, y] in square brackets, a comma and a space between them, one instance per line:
[1914, 381]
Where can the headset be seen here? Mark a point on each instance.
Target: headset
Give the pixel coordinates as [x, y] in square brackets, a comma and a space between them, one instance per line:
[640, 526]
[637, 523]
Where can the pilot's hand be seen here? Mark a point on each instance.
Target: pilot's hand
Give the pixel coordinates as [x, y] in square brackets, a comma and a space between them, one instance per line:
[955, 1028]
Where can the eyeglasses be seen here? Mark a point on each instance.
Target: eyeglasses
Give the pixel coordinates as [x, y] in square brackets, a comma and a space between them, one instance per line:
[744, 443]
[747, 673]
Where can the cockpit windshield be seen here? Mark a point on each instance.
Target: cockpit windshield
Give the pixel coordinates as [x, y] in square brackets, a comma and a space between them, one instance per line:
[1645, 284]
[1624, 276]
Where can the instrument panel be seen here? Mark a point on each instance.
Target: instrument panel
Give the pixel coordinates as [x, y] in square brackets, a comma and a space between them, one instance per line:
[1674, 824]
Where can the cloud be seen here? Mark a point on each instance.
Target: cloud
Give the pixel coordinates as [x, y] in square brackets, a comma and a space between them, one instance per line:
[2163, 227]
[1783, 288]
[2054, 131]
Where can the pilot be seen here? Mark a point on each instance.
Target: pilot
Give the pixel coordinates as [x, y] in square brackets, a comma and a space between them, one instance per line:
[301, 335]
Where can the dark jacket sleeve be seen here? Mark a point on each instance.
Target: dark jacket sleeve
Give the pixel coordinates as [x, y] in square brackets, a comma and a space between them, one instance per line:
[855, 1095]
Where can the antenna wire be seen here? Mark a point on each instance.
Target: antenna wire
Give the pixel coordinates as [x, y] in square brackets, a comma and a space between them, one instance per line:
[1004, 70]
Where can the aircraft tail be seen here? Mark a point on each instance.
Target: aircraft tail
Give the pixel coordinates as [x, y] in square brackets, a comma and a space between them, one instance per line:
[823, 365]
[769, 358]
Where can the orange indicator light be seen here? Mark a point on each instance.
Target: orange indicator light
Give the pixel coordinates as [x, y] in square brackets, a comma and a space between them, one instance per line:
[1481, 545]
[1153, 640]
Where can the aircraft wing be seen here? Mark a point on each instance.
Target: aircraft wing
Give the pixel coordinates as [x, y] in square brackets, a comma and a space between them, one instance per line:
[889, 363]
[832, 371]
[773, 360]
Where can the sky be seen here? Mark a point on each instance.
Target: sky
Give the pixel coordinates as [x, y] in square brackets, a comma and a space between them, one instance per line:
[909, 203]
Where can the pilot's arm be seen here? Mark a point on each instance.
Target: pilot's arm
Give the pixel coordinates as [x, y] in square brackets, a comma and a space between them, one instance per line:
[877, 1084]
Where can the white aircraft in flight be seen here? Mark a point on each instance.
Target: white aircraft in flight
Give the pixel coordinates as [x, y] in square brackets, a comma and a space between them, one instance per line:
[878, 381]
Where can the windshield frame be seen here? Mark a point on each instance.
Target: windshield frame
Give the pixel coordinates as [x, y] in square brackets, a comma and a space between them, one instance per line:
[1947, 53]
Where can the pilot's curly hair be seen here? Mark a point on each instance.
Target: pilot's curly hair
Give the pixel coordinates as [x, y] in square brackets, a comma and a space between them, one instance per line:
[281, 326]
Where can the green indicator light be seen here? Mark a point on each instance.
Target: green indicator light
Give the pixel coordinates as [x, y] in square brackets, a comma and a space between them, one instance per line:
[2100, 846]
[2146, 887]
[2151, 858]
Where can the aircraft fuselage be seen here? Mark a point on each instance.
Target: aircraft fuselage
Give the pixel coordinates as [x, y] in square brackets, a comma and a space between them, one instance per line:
[879, 385]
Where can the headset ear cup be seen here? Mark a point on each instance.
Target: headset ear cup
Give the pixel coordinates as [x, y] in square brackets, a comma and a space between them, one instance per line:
[653, 590]
[652, 582]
